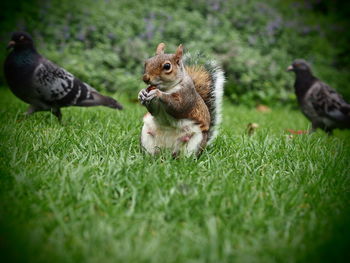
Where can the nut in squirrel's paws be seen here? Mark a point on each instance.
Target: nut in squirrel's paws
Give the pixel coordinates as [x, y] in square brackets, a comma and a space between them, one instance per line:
[151, 87]
[146, 95]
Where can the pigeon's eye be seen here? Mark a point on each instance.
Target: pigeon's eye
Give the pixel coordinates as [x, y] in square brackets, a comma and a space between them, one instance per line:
[167, 66]
[21, 38]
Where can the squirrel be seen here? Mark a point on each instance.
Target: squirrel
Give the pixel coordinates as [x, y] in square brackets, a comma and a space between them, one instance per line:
[183, 100]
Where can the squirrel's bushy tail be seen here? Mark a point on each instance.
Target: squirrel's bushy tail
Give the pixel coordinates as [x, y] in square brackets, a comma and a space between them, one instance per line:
[208, 80]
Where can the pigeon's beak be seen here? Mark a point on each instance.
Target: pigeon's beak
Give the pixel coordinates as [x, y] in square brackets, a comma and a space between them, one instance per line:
[11, 44]
[290, 68]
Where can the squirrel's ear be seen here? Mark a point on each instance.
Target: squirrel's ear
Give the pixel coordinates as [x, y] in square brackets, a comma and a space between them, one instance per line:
[179, 53]
[160, 49]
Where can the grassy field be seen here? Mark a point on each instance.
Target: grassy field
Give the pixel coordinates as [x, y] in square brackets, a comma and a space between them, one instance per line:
[83, 192]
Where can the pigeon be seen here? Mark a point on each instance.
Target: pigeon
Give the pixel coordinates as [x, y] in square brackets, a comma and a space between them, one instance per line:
[44, 85]
[321, 104]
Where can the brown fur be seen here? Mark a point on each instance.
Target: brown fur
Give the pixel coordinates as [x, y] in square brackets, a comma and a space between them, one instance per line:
[201, 80]
[160, 49]
[154, 71]
[200, 114]
[192, 100]
[187, 104]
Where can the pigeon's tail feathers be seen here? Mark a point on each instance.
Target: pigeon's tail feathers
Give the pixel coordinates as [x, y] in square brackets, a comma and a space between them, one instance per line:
[108, 101]
[341, 114]
[346, 109]
[101, 100]
[337, 115]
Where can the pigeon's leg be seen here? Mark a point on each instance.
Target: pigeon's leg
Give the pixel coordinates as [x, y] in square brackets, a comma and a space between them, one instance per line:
[328, 130]
[57, 113]
[314, 127]
[31, 110]
[322, 126]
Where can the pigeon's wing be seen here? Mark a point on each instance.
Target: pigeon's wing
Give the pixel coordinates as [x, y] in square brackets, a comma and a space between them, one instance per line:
[328, 103]
[57, 86]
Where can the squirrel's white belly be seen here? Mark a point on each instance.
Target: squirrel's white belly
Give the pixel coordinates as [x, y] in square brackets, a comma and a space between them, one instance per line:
[183, 135]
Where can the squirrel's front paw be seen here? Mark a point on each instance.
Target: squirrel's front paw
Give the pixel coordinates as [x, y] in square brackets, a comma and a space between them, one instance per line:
[142, 96]
[145, 97]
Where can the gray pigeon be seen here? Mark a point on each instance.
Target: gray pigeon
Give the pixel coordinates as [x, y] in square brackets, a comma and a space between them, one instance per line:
[322, 105]
[44, 85]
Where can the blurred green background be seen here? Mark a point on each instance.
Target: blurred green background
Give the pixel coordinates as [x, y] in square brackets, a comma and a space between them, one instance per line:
[105, 42]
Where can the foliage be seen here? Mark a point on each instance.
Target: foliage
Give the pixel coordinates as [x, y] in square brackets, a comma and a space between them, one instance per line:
[106, 42]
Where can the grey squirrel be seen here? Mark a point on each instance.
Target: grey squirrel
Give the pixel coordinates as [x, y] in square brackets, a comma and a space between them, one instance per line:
[183, 101]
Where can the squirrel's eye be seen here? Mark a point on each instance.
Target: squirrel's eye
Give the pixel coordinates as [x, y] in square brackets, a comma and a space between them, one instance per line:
[167, 66]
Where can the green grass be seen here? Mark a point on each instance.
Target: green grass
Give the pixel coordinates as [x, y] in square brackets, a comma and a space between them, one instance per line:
[83, 191]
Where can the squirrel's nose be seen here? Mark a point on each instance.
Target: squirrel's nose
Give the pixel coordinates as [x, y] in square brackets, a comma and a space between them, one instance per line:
[146, 78]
